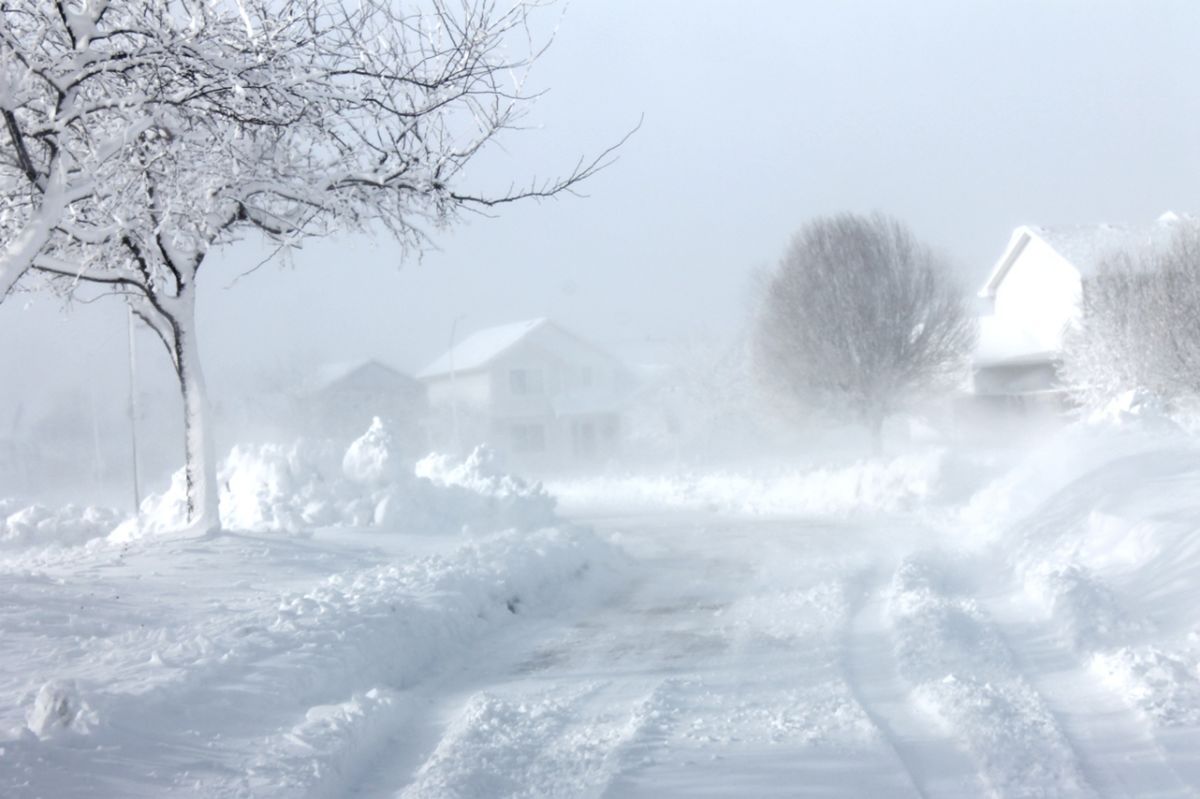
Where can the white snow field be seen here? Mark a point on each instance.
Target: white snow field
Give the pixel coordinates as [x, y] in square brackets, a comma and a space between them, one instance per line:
[938, 625]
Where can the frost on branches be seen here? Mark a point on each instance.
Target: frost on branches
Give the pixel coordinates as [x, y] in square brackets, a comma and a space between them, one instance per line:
[142, 135]
[1139, 326]
[858, 319]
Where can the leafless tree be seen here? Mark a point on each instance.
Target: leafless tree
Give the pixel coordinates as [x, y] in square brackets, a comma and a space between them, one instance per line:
[1139, 326]
[145, 134]
[858, 319]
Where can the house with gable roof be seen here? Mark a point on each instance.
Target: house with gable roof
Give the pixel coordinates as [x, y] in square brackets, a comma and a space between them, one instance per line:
[343, 398]
[533, 390]
[1032, 296]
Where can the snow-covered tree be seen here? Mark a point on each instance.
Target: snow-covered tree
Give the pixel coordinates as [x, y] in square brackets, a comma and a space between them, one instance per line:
[1139, 325]
[858, 319]
[147, 133]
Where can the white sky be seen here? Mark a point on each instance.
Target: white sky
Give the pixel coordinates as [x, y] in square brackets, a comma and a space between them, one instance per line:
[963, 118]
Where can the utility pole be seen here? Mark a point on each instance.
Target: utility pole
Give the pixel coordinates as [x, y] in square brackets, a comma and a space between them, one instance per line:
[454, 385]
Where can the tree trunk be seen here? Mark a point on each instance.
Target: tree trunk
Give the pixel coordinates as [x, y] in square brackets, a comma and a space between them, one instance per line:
[200, 465]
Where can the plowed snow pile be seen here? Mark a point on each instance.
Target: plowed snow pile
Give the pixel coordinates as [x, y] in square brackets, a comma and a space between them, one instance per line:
[27, 525]
[298, 488]
[273, 488]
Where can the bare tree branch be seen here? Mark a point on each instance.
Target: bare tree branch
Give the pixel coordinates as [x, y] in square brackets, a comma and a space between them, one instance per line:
[858, 319]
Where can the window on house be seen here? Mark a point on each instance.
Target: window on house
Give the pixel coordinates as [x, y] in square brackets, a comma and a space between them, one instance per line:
[528, 438]
[525, 381]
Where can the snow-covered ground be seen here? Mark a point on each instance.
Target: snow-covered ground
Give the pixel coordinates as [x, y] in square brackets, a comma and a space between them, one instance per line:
[936, 625]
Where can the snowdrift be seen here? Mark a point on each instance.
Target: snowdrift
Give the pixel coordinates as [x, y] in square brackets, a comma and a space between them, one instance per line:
[295, 675]
[870, 486]
[26, 525]
[272, 488]
[1101, 527]
[307, 485]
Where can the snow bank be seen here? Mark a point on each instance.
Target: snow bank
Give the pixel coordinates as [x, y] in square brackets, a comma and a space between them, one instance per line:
[1098, 525]
[871, 486]
[391, 624]
[1094, 508]
[300, 684]
[476, 481]
[1059, 470]
[37, 525]
[294, 489]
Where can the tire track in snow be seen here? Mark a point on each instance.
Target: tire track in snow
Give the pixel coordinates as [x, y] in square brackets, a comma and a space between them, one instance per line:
[712, 675]
[302, 674]
[1117, 752]
[963, 674]
[934, 766]
[1062, 635]
[554, 743]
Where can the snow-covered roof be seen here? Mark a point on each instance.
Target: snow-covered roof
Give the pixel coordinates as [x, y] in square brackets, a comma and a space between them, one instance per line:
[332, 373]
[480, 348]
[1086, 247]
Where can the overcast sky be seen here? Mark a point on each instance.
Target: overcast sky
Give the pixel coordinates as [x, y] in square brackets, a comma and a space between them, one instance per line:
[964, 119]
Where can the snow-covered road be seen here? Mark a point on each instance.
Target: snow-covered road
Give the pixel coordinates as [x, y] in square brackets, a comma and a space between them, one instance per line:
[1050, 651]
[783, 658]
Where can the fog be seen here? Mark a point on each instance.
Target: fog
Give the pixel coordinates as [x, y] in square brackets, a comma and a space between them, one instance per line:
[827, 441]
[964, 120]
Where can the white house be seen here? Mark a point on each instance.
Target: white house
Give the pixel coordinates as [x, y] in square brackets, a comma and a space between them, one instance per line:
[1033, 295]
[533, 390]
